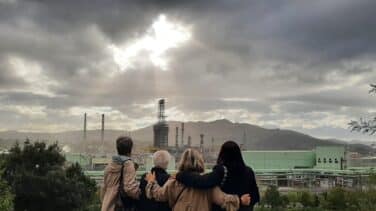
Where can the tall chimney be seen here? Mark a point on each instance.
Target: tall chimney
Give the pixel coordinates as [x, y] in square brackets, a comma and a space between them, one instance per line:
[202, 143]
[85, 126]
[177, 138]
[182, 134]
[102, 133]
[212, 144]
[84, 144]
[189, 141]
[244, 144]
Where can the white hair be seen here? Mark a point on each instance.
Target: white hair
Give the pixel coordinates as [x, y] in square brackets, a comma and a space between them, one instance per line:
[161, 158]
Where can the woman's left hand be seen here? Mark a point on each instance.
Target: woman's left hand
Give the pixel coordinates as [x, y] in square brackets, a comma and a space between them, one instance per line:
[150, 177]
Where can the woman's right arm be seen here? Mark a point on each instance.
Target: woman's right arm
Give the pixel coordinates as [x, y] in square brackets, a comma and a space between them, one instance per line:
[206, 181]
[228, 202]
[153, 190]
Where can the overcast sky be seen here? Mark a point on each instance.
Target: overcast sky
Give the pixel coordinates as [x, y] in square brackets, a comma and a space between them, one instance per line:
[301, 65]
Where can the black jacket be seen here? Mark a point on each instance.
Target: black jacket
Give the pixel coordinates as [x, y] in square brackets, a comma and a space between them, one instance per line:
[145, 204]
[231, 182]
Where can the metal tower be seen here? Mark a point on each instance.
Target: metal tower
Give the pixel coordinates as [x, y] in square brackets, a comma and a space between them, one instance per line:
[161, 127]
[202, 143]
[84, 144]
[182, 134]
[102, 134]
[177, 138]
[189, 141]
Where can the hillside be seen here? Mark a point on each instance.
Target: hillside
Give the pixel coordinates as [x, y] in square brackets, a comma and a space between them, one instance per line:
[254, 137]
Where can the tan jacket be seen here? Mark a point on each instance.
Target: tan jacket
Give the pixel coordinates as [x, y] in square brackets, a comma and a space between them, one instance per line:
[191, 199]
[111, 184]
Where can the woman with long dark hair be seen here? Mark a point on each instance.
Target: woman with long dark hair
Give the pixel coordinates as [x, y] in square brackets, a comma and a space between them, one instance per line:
[181, 198]
[231, 174]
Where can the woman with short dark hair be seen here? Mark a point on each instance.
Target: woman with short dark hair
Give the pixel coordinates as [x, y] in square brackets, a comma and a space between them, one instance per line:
[113, 172]
[231, 174]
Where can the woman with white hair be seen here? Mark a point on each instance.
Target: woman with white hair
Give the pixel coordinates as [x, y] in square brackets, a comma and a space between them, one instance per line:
[180, 197]
[161, 160]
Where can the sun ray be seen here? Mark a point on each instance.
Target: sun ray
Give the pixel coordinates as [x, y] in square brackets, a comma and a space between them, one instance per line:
[162, 35]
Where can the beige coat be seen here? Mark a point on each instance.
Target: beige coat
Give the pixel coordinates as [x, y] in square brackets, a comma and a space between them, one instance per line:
[111, 184]
[191, 199]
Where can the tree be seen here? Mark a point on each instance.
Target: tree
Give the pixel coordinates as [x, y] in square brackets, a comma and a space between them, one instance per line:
[335, 199]
[306, 199]
[364, 125]
[40, 181]
[6, 196]
[273, 198]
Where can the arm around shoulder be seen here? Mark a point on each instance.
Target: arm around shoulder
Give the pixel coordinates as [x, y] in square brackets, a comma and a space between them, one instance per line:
[153, 190]
[228, 202]
[195, 180]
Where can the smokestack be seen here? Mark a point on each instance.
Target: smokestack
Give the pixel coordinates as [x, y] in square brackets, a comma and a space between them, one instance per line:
[189, 141]
[85, 126]
[202, 143]
[84, 145]
[177, 138]
[212, 144]
[182, 134]
[244, 144]
[102, 133]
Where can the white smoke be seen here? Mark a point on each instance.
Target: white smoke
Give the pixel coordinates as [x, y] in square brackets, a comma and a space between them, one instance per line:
[66, 149]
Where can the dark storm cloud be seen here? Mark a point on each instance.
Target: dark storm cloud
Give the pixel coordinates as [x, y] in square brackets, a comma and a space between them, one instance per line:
[329, 30]
[288, 57]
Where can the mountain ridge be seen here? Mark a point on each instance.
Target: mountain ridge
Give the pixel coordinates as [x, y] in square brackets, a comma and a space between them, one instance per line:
[215, 133]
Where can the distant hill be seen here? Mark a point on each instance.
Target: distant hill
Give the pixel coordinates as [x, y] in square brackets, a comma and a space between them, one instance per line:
[253, 137]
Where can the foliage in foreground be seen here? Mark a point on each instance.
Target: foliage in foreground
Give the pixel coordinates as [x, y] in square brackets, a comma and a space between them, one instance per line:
[40, 181]
[334, 199]
[6, 196]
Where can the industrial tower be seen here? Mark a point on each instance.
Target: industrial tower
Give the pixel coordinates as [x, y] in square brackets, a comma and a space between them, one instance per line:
[84, 144]
[102, 135]
[161, 128]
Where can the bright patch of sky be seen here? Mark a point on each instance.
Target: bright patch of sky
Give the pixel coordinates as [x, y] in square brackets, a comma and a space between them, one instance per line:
[162, 35]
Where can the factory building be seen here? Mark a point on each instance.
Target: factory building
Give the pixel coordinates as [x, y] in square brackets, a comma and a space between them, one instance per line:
[318, 169]
[323, 157]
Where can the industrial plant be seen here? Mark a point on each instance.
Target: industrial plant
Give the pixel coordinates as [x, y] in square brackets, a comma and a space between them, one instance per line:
[317, 169]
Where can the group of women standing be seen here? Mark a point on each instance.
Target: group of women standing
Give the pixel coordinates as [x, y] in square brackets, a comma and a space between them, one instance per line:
[230, 186]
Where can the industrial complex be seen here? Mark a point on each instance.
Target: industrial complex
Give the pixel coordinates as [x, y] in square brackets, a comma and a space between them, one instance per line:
[318, 169]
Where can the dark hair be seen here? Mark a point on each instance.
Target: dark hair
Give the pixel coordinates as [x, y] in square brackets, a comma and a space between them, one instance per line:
[124, 145]
[230, 156]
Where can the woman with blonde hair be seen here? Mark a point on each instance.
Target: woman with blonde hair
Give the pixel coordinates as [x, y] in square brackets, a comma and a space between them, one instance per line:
[181, 198]
[231, 174]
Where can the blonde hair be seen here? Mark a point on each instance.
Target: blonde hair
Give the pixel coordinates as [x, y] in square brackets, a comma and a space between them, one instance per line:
[191, 160]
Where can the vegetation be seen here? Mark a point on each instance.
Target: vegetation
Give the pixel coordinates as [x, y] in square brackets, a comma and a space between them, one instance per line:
[39, 179]
[6, 196]
[365, 125]
[334, 199]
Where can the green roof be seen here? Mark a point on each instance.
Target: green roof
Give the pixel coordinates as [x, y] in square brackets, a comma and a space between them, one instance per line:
[279, 159]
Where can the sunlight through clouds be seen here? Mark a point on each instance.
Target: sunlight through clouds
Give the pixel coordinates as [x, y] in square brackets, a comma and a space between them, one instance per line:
[159, 38]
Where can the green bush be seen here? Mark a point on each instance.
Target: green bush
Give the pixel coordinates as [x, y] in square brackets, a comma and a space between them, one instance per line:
[273, 198]
[6, 196]
[40, 181]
